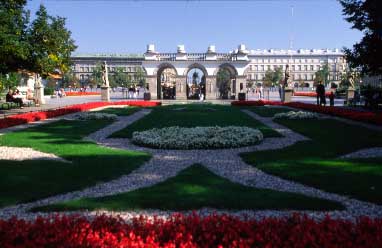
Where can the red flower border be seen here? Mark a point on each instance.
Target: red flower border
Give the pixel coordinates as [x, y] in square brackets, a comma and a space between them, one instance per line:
[42, 115]
[190, 231]
[77, 93]
[363, 116]
[309, 94]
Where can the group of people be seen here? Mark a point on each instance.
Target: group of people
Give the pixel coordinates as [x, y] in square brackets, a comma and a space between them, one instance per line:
[18, 98]
[321, 95]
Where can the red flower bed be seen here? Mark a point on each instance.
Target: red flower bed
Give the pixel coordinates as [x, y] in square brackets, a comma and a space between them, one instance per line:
[190, 231]
[78, 93]
[37, 116]
[255, 103]
[363, 116]
[311, 94]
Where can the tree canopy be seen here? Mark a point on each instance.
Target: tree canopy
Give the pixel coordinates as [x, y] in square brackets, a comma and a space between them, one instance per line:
[40, 46]
[366, 16]
[273, 77]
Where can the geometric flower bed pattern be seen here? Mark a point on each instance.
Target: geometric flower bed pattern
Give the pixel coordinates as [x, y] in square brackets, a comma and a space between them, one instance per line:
[197, 137]
[363, 116]
[190, 231]
[42, 115]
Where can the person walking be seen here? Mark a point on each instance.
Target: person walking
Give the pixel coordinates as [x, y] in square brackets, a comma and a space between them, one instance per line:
[318, 93]
[322, 95]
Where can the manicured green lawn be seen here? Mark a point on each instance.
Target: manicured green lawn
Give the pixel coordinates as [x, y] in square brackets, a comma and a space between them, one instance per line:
[269, 111]
[31, 180]
[195, 115]
[120, 111]
[315, 162]
[194, 188]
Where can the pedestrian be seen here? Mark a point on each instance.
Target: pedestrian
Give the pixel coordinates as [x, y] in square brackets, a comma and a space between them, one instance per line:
[331, 98]
[318, 93]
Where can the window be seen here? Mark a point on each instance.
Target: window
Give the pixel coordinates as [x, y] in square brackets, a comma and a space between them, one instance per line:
[305, 67]
[81, 69]
[262, 68]
[299, 67]
[293, 67]
[256, 68]
[312, 67]
[268, 67]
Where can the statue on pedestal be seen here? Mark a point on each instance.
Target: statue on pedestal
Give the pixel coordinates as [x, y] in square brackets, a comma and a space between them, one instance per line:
[286, 76]
[105, 77]
[351, 82]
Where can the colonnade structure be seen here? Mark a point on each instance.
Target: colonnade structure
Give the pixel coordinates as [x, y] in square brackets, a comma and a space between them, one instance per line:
[171, 72]
[182, 75]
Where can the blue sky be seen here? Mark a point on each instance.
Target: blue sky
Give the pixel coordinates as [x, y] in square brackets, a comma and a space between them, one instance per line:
[127, 26]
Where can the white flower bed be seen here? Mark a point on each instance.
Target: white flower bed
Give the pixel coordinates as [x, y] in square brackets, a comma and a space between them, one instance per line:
[296, 115]
[95, 116]
[197, 137]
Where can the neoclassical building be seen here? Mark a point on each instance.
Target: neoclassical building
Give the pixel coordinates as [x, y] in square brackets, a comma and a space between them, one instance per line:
[183, 75]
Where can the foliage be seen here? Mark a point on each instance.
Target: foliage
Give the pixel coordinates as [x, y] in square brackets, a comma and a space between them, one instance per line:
[140, 77]
[322, 75]
[119, 78]
[193, 188]
[296, 115]
[223, 81]
[68, 79]
[42, 46]
[273, 77]
[97, 74]
[51, 44]
[10, 80]
[365, 16]
[188, 138]
[14, 45]
[48, 91]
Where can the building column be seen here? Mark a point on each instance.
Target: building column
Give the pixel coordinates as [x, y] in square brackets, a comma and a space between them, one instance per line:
[181, 88]
[211, 89]
[153, 89]
[241, 86]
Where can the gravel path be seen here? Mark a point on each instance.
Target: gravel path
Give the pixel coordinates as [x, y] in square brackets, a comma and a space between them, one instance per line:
[22, 153]
[364, 153]
[224, 162]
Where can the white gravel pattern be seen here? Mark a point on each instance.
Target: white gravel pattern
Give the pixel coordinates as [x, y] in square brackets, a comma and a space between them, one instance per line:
[224, 162]
[364, 153]
[23, 153]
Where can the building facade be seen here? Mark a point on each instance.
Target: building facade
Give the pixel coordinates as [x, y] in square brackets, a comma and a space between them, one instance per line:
[219, 74]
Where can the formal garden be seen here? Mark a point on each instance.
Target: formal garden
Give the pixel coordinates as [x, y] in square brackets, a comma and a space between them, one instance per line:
[246, 169]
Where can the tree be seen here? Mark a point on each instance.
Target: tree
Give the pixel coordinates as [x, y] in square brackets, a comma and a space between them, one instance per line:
[223, 81]
[14, 46]
[273, 78]
[140, 76]
[68, 78]
[322, 75]
[366, 16]
[10, 80]
[51, 44]
[97, 74]
[120, 77]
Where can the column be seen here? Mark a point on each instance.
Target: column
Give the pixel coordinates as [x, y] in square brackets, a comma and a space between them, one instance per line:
[152, 84]
[211, 89]
[181, 90]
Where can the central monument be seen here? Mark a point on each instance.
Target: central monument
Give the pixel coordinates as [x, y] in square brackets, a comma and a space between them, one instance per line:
[105, 91]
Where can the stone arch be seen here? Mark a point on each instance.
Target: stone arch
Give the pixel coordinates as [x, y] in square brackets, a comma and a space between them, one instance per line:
[228, 66]
[195, 86]
[166, 89]
[226, 88]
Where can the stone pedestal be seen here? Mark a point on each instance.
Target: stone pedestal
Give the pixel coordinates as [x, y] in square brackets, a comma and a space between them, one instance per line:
[181, 92]
[350, 95]
[286, 95]
[105, 93]
[39, 94]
